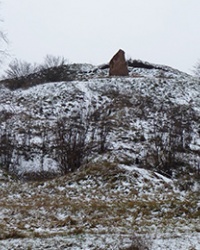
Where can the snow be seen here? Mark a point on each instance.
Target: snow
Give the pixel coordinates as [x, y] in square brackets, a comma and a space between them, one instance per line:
[36, 140]
[108, 241]
[37, 163]
[100, 208]
[66, 202]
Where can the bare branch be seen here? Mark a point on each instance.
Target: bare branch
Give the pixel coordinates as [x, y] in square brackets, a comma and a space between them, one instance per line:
[53, 61]
[19, 68]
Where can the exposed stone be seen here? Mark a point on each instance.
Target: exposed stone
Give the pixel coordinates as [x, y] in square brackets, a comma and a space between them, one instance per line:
[118, 65]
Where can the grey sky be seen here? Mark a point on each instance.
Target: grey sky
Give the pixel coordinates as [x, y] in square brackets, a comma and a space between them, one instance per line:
[91, 31]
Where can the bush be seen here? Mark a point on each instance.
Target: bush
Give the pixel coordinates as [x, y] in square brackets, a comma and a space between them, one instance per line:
[53, 61]
[21, 74]
[18, 68]
[71, 146]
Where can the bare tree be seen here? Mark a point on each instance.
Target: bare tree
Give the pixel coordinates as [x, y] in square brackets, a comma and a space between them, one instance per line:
[6, 149]
[53, 61]
[3, 43]
[196, 69]
[18, 68]
[79, 138]
[171, 138]
[71, 145]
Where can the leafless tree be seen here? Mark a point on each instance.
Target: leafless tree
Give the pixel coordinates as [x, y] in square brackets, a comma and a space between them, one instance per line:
[79, 138]
[18, 68]
[196, 69]
[6, 148]
[71, 145]
[53, 61]
[171, 137]
[3, 43]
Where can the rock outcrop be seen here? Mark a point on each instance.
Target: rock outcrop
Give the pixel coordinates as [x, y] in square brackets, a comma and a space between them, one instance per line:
[118, 65]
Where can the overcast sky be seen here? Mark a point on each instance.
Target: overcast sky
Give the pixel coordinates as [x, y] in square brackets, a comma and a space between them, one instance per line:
[91, 31]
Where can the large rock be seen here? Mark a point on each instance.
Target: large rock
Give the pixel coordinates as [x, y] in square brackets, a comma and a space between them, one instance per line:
[118, 65]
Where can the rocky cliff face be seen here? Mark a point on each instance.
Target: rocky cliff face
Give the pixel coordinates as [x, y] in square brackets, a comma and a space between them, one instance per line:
[150, 119]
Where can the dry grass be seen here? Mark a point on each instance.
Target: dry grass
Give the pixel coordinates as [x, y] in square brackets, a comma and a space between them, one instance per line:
[90, 199]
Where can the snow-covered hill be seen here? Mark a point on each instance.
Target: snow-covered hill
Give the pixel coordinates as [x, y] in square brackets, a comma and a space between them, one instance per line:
[140, 119]
[129, 150]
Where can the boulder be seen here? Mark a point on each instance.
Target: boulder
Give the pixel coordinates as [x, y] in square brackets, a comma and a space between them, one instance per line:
[118, 65]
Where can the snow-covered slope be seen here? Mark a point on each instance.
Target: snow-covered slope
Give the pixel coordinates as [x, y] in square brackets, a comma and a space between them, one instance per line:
[125, 115]
[117, 135]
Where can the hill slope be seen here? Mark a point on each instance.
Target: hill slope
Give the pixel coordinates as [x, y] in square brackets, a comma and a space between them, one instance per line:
[113, 139]
[151, 117]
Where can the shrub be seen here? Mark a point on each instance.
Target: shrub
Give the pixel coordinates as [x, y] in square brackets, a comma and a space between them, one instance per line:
[18, 68]
[53, 61]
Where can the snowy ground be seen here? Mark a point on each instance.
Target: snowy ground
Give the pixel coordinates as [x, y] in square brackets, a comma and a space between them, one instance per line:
[108, 242]
[99, 207]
